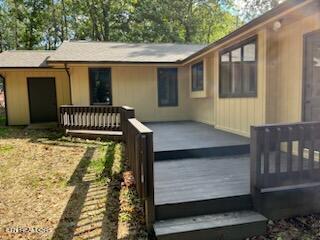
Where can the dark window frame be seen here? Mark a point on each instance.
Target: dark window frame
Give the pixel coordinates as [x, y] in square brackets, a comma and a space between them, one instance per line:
[176, 102]
[199, 87]
[229, 50]
[91, 89]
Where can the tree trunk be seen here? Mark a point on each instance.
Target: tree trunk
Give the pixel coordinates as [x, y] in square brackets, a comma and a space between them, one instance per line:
[187, 23]
[95, 29]
[65, 34]
[16, 44]
[106, 21]
[1, 42]
[54, 21]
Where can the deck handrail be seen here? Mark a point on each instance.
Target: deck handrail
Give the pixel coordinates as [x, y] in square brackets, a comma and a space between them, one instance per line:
[141, 161]
[138, 139]
[284, 155]
[95, 117]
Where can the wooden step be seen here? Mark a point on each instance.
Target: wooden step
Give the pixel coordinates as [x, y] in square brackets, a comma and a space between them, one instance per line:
[203, 152]
[228, 226]
[210, 206]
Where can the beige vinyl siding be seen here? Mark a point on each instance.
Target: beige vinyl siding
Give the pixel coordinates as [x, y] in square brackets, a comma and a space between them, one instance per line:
[17, 92]
[135, 86]
[79, 77]
[285, 64]
[236, 115]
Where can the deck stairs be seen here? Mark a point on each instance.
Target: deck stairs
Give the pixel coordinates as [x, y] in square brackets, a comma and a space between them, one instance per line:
[193, 215]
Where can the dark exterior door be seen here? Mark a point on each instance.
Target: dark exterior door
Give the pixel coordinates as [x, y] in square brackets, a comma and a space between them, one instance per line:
[312, 77]
[42, 100]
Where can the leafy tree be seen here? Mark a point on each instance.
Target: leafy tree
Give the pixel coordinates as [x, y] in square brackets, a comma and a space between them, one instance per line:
[250, 9]
[33, 24]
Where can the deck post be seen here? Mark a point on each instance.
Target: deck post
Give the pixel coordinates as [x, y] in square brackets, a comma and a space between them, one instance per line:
[149, 184]
[126, 113]
[255, 166]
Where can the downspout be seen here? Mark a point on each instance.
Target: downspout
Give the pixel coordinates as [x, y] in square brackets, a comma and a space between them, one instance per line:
[69, 77]
[5, 99]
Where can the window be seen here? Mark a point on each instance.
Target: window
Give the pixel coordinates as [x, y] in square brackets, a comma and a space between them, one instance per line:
[100, 86]
[238, 70]
[197, 76]
[167, 87]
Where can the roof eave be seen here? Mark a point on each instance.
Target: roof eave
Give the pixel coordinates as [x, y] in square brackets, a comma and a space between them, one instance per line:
[110, 62]
[24, 67]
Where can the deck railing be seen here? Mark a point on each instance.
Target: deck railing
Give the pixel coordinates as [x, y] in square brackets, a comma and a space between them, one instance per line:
[107, 118]
[138, 139]
[141, 158]
[284, 155]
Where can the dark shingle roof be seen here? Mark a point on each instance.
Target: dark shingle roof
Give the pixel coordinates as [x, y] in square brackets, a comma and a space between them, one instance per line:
[24, 58]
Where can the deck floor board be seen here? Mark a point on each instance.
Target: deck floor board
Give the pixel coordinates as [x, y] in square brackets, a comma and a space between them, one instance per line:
[181, 135]
[201, 179]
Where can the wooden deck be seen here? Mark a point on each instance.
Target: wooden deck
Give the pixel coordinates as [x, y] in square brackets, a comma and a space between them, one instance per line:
[197, 164]
[182, 135]
[197, 179]
[201, 179]
[197, 182]
[188, 139]
[204, 176]
[202, 183]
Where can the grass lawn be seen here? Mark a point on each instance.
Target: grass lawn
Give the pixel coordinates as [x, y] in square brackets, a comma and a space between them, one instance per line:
[64, 188]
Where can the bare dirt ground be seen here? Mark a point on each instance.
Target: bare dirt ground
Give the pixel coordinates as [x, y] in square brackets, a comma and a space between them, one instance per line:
[53, 187]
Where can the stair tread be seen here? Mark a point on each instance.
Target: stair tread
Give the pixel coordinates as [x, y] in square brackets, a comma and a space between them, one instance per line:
[196, 200]
[204, 207]
[188, 224]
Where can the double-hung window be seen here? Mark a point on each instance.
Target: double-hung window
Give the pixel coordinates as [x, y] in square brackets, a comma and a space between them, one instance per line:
[238, 70]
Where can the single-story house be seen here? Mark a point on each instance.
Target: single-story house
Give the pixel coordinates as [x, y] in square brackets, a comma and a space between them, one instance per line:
[267, 71]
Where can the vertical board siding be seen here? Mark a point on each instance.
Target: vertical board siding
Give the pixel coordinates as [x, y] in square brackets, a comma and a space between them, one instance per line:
[202, 108]
[285, 69]
[134, 86]
[17, 98]
[80, 85]
[238, 114]
[17, 92]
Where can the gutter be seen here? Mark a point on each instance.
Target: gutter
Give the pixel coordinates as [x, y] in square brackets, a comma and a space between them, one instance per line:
[69, 77]
[5, 99]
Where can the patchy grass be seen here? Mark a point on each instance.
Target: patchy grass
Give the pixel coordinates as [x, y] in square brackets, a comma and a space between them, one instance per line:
[66, 188]
[5, 148]
[2, 116]
[2, 120]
